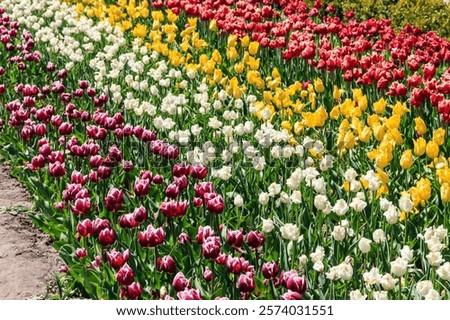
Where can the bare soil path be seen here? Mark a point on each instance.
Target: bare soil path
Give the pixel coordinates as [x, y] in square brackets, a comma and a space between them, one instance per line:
[27, 259]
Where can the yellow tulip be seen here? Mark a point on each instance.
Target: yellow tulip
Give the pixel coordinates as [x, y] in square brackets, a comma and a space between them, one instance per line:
[239, 67]
[379, 106]
[406, 159]
[362, 103]
[232, 54]
[213, 25]
[286, 125]
[349, 140]
[378, 132]
[337, 92]
[318, 85]
[399, 109]
[439, 136]
[245, 41]
[419, 146]
[445, 192]
[357, 94]
[424, 189]
[216, 56]
[253, 48]
[365, 134]
[420, 126]
[432, 149]
[373, 120]
[334, 113]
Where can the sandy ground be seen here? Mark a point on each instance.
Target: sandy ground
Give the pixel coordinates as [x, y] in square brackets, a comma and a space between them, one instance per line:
[27, 259]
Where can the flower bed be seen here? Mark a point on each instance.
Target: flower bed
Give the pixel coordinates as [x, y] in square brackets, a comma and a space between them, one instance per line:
[177, 158]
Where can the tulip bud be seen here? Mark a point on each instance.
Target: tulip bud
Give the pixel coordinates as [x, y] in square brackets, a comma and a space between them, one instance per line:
[100, 224]
[198, 172]
[127, 221]
[181, 182]
[445, 192]
[432, 150]
[179, 170]
[140, 214]
[215, 205]
[127, 166]
[81, 206]
[65, 128]
[197, 202]
[208, 275]
[158, 179]
[115, 154]
[172, 191]
[203, 233]
[406, 159]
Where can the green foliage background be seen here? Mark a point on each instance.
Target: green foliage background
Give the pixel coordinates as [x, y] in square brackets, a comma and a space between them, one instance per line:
[426, 14]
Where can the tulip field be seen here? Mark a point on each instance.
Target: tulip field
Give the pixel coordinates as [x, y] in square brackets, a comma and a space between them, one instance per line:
[259, 149]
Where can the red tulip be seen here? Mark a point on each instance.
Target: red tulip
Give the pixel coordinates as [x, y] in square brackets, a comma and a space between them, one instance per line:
[125, 276]
[203, 233]
[297, 284]
[208, 275]
[81, 206]
[270, 270]
[234, 265]
[189, 294]
[107, 237]
[117, 259]
[246, 282]
[114, 199]
[133, 291]
[151, 237]
[80, 253]
[184, 238]
[172, 191]
[57, 169]
[255, 240]
[291, 295]
[100, 224]
[141, 187]
[166, 264]
[211, 248]
[215, 204]
[198, 172]
[235, 238]
[180, 282]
